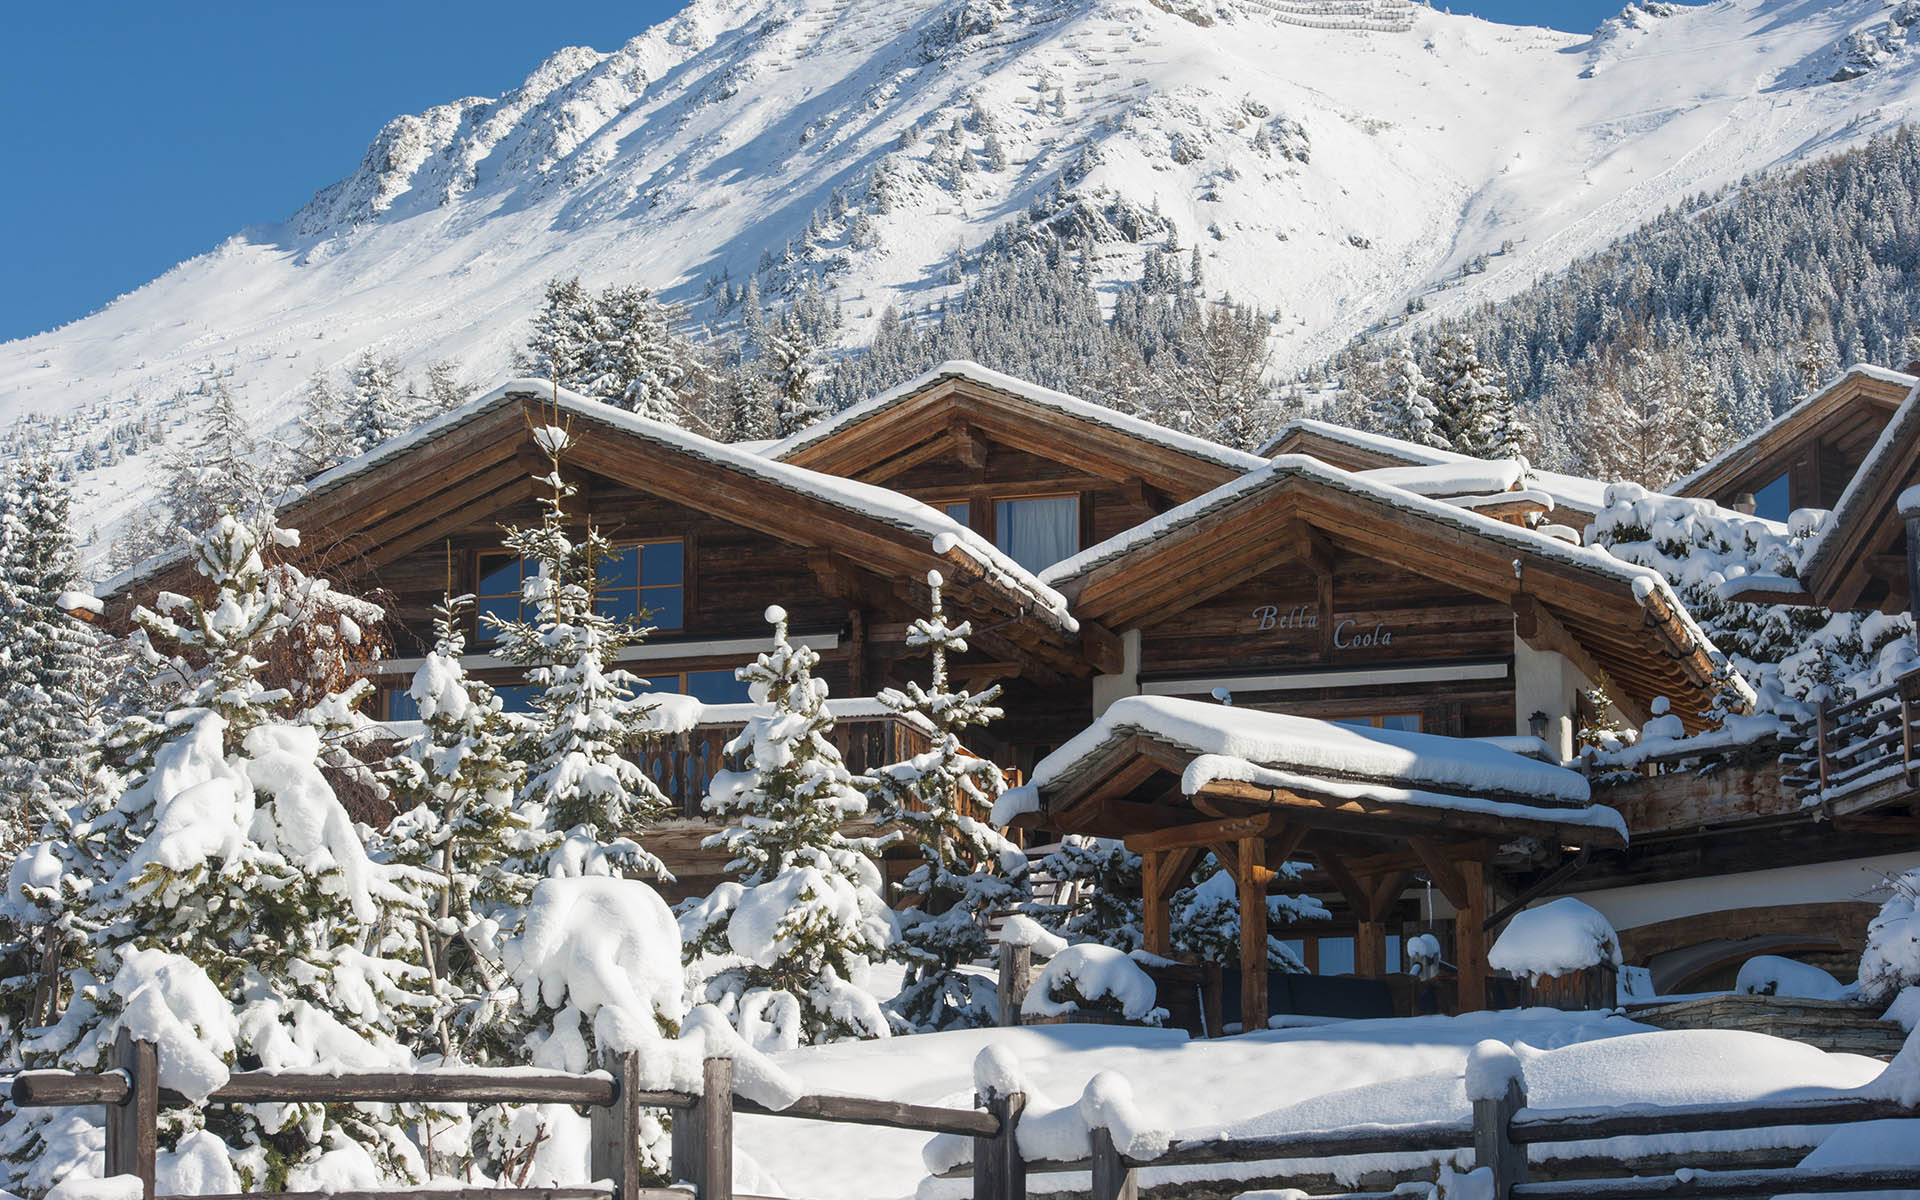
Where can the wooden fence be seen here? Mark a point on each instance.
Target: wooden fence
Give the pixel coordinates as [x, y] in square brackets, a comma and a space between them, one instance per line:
[702, 1147]
[1499, 1134]
[1871, 739]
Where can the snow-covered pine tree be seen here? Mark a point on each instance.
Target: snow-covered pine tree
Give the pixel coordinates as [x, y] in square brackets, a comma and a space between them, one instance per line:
[1473, 411]
[378, 408]
[446, 389]
[784, 952]
[225, 469]
[323, 428]
[1405, 410]
[638, 363]
[455, 787]
[968, 871]
[580, 782]
[788, 362]
[224, 903]
[565, 337]
[53, 684]
[1099, 880]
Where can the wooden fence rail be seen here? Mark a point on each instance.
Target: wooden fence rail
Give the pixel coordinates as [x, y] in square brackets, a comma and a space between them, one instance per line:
[702, 1136]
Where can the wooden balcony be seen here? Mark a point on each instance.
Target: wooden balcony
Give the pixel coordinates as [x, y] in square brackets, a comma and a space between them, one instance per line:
[1863, 755]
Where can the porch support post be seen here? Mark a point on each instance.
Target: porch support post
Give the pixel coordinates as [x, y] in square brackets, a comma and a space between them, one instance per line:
[1155, 919]
[1470, 936]
[1252, 878]
[1370, 949]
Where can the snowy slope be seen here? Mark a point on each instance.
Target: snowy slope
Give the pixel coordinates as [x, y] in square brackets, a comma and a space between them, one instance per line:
[1331, 173]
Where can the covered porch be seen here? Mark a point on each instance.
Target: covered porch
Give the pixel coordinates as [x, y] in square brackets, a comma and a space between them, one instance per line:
[1373, 811]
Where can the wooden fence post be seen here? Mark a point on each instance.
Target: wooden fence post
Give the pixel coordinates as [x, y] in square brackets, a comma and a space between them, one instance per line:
[1016, 976]
[999, 1173]
[1113, 1179]
[1493, 1144]
[614, 1139]
[703, 1135]
[133, 1128]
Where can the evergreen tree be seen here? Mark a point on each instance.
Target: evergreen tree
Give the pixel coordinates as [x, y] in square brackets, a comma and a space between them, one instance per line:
[1404, 410]
[968, 871]
[565, 338]
[581, 784]
[446, 389]
[455, 787]
[637, 362]
[324, 441]
[378, 409]
[784, 951]
[226, 895]
[226, 469]
[788, 362]
[1473, 411]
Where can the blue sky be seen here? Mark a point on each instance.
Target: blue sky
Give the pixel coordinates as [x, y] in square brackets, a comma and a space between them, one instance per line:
[140, 134]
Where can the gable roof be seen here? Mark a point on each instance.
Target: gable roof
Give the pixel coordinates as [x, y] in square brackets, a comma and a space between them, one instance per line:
[1361, 451]
[1857, 404]
[397, 496]
[1621, 618]
[1854, 561]
[858, 439]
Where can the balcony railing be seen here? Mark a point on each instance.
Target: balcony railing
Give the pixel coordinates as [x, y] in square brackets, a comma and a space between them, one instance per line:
[1871, 742]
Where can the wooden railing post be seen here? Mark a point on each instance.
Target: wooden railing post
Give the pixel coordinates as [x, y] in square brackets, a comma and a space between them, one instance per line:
[1113, 1179]
[1016, 976]
[1493, 1144]
[133, 1127]
[999, 1173]
[703, 1135]
[1820, 743]
[614, 1139]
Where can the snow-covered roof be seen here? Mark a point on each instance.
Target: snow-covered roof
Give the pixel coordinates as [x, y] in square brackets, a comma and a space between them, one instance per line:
[941, 532]
[972, 372]
[1463, 478]
[1346, 762]
[1568, 491]
[1851, 509]
[1744, 448]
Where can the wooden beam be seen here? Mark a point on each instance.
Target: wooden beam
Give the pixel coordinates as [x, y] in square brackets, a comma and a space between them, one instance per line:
[1203, 833]
[1470, 937]
[1388, 820]
[1103, 647]
[1253, 932]
[1359, 898]
[1441, 870]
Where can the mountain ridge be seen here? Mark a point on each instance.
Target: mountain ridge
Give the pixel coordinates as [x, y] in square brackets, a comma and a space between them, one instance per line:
[854, 142]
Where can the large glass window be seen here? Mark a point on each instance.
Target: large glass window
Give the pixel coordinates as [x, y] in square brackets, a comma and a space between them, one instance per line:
[1774, 501]
[644, 582]
[498, 593]
[958, 511]
[1039, 532]
[715, 687]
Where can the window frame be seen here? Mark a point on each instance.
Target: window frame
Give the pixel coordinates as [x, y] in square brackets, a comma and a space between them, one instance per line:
[996, 499]
[640, 588]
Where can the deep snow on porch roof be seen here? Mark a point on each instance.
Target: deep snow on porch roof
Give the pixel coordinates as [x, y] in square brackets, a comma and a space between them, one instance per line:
[1382, 769]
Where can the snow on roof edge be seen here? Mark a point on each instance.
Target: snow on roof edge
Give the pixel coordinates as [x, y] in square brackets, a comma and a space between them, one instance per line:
[973, 372]
[1857, 370]
[1568, 491]
[1863, 477]
[878, 503]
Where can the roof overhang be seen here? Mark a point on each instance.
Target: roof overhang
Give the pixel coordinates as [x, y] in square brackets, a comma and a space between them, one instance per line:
[1862, 396]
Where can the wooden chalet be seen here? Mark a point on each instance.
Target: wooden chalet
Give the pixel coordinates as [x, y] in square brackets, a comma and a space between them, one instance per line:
[1808, 456]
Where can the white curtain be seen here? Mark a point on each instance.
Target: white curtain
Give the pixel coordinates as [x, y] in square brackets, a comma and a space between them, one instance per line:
[1038, 533]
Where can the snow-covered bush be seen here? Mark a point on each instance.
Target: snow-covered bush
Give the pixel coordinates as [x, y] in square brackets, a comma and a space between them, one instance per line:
[1206, 919]
[967, 870]
[1091, 978]
[1557, 938]
[1771, 975]
[1891, 960]
[784, 952]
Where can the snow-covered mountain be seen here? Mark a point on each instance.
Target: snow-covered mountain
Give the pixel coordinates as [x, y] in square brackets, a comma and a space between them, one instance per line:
[1331, 159]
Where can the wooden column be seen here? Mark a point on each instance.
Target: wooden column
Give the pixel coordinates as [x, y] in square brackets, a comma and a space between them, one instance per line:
[1252, 878]
[1156, 929]
[703, 1136]
[1370, 949]
[1470, 936]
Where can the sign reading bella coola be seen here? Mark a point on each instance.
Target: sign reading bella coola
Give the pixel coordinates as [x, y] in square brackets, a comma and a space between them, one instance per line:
[1348, 632]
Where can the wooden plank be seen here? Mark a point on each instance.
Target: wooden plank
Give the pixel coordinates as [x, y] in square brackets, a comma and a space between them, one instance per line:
[614, 1137]
[457, 1193]
[1822, 1180]
[1470, 937]
[1112, 1179]
[1535, 1126]
[133, 1125]
[1390, 820]
[1441, 870]
[1319, 1143]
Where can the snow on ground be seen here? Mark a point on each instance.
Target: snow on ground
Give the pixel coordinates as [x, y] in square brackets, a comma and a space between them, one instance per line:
[1329, 1075]
[1329, 174]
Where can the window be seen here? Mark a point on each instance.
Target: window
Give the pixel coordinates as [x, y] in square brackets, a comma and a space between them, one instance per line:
[1406, 722]
[516, 697]
[1039, 532]
[644, 582]
[498, 592]
[959, 511]
[715, 687]
[401, 706]
[1774, 501]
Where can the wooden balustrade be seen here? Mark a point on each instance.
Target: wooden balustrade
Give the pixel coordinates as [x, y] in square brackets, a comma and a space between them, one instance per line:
[1869, 741]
